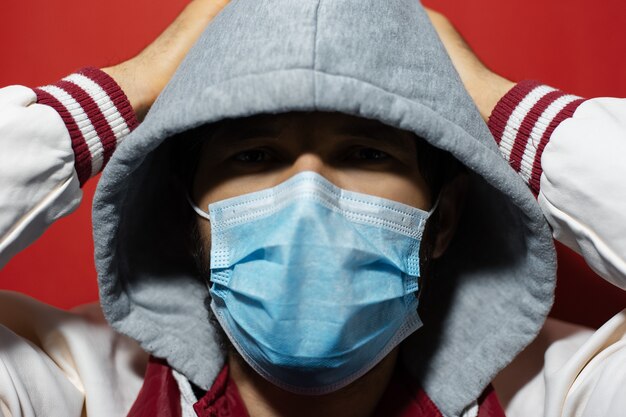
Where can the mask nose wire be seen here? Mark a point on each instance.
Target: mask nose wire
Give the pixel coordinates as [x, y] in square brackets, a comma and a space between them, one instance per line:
[206, 216]
[197, 209]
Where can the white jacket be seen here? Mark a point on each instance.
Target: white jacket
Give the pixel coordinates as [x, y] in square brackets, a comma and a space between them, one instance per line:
[56, 363]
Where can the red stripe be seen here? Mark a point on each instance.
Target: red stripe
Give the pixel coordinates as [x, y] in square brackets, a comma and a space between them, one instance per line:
[115, 93]
[97, 118]
[526, 128]
[505, 107]
[82, 160]
[223, 399]
[566, 113]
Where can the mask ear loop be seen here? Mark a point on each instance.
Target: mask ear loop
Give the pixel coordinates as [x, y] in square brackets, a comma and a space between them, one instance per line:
[432, 209]
[197, 209]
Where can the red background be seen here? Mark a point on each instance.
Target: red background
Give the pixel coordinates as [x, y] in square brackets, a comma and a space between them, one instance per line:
[577, 45]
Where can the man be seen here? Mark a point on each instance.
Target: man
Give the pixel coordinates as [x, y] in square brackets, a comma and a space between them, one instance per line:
[243, 66]
[485, 301]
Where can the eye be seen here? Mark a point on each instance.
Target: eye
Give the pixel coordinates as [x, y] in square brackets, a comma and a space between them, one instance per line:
[369, 154]
[252, 156]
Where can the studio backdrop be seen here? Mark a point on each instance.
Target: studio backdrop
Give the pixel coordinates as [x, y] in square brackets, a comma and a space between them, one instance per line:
[576, 45]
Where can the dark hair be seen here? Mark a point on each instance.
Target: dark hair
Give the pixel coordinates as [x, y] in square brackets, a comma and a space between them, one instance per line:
[438, 168]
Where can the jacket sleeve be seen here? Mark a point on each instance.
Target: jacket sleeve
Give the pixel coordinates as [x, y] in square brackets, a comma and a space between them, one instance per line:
[568, 371]
[58, 363]
[53, 139]
[570, 152]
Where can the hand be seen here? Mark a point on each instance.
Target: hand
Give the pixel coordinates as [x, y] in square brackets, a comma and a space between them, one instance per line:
[484, 86]
[143, 77]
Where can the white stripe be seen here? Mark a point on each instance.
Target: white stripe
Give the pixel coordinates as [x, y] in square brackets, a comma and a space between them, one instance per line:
[187, 397]
[528, 159]
[105, 104]
[517, 117]
[83, 122]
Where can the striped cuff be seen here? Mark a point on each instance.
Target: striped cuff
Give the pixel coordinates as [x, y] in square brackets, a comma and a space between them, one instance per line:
[523, 121]
[97, 114]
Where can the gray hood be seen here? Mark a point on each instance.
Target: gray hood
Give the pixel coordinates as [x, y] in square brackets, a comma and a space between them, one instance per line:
[370, 58]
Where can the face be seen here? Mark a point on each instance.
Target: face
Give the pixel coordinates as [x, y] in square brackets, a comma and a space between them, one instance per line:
[247, 155]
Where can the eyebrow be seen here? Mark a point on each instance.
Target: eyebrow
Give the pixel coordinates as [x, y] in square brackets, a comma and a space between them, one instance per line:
[383, 133]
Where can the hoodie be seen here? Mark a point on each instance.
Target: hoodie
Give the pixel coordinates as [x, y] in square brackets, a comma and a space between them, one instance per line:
[372, 59]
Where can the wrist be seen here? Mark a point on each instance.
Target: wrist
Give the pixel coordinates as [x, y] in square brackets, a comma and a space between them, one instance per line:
[135, 84]
[96, 113]
[522, 124]
[487, 90]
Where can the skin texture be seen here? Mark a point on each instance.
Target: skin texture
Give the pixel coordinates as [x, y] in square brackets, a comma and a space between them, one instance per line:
[484, 86]
[143, 77]
[353, 153]
[260, 152]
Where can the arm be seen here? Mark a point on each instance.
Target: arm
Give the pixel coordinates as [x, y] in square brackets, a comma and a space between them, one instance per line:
[59, 363]
[53, 139]
[565, 148]
[56, 137]
[568, 151]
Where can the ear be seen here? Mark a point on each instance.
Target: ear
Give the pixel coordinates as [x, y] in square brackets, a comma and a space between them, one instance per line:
[451, 203]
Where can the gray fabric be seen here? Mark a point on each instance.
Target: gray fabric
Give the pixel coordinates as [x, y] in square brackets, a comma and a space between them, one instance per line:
[374, 59]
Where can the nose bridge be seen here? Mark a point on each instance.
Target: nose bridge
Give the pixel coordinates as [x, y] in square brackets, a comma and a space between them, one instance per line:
[312, 150]
[310, 161]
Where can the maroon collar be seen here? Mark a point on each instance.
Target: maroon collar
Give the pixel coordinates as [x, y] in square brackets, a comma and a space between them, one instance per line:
[159, 397]
[222, 399]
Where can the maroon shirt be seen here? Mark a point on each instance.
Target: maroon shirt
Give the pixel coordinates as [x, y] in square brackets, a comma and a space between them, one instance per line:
[160, 397]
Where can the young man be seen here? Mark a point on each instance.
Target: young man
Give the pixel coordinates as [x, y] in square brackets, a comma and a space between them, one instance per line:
[326, 124]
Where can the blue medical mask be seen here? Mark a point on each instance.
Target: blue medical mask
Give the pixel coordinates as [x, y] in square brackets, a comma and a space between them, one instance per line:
[313, 284]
